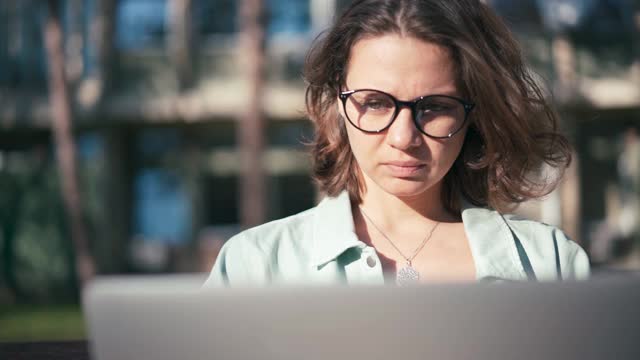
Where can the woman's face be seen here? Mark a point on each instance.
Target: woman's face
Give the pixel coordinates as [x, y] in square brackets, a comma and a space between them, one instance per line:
[401, 160]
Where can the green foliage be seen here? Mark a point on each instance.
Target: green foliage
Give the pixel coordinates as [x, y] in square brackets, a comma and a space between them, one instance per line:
[36, 251]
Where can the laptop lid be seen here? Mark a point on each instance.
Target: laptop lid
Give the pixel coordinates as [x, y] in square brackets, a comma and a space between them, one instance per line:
[172, 318]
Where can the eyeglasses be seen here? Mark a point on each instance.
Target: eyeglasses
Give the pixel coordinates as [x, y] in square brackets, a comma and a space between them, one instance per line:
[437, 116]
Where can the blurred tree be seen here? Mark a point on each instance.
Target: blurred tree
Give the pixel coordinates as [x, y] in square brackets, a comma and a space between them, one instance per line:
[564, 66]
[181, 41]
[9, 213]
[636, 42]
[36, 260]
[102, 34]
[64, 143]
[251, 126]
[43, 254]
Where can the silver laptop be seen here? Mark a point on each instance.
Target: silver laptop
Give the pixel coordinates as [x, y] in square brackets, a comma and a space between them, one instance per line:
[172, 318]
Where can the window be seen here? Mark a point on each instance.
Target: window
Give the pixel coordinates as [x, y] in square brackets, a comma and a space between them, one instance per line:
[215, 17]
[288, 16]
[140, 23]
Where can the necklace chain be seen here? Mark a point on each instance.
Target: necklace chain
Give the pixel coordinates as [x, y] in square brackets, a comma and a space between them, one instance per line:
[415, 253]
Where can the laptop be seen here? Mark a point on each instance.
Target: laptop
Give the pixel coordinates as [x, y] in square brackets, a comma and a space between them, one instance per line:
[171, 317]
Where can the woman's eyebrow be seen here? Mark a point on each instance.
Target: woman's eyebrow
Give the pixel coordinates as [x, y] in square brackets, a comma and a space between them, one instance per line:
[447, 92]
[452, 92]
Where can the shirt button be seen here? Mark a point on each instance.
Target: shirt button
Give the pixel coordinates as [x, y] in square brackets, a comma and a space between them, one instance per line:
[371, 261]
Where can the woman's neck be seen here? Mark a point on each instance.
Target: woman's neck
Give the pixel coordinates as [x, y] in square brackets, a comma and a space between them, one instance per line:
[394, 212]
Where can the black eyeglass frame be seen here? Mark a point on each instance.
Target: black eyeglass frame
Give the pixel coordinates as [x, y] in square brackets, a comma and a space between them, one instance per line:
[411, 104]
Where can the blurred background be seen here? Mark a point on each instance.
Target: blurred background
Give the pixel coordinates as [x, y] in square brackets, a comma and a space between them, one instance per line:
[136, 136]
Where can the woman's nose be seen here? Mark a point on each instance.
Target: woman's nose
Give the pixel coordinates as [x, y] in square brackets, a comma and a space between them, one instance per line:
[403, 134]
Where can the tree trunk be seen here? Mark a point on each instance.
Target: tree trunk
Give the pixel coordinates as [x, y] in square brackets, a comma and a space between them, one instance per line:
[251, 125]
[65, 148]
[564, 65]
[102, 32]
[635, 71]
[180, 41]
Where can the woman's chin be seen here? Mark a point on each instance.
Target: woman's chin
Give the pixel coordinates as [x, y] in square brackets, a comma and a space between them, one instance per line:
[406, 189]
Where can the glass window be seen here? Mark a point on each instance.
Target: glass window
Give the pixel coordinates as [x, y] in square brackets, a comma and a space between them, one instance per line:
[140, 23]
[288, 16]
[23, 62]
[215, 17]
[143, 23]
[162, 210]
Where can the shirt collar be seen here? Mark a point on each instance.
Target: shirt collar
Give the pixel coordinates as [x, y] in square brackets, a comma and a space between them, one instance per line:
[333, 229]
[490, 238]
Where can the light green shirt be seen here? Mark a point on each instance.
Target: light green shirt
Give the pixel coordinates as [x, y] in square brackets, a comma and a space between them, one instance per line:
[320, 246]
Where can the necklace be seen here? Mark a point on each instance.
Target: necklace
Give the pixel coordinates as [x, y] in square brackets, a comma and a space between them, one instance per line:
[408, 274]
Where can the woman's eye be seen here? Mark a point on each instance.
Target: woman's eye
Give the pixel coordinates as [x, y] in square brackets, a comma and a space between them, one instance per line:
[377, 105]
[436, 108]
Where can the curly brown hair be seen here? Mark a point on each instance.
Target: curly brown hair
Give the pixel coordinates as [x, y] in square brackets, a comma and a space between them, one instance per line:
[512, 131]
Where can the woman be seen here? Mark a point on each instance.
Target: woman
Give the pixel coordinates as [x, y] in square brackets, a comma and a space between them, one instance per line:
[428, 126]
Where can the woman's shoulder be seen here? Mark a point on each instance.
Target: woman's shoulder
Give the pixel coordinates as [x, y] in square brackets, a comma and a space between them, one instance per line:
[539, 250]
[265, 236]
[542, 238]
[286, 249]
[251, 255]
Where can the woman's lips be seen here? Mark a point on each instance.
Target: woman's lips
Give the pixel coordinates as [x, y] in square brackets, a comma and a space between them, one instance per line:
[405, 169]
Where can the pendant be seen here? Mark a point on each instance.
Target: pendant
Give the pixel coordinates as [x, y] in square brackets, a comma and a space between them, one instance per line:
[407, 275]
